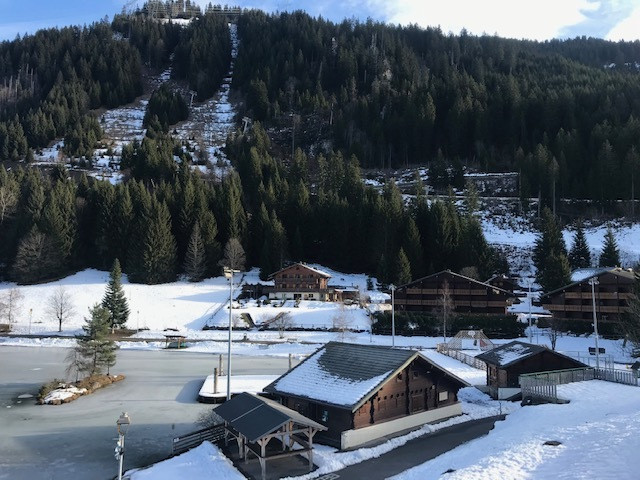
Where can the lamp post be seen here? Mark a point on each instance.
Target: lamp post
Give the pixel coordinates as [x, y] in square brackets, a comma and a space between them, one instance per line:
[123, 423]
[593, 282]
[530, 300]
[392, 287]
[228, 273]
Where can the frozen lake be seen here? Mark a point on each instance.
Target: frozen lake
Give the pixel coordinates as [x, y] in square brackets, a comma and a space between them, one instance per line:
[77, 440]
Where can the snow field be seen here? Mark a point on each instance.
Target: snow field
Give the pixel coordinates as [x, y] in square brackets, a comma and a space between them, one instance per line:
[599, 433]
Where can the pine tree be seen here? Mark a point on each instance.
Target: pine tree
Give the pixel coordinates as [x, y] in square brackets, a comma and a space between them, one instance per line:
[159, 254]
[93, 348]
[402, 269]
[555, 273]
[195, 264]
[579, 256]
[550, 255]
[114, 300]
[610, 252]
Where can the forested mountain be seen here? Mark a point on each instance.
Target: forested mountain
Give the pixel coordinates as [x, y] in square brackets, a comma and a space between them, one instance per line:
[364, 94]
[402, 95]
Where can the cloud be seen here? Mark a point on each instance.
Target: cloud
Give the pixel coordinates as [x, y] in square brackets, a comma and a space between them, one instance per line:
[601, 18]
[627, 29]
[539, 19]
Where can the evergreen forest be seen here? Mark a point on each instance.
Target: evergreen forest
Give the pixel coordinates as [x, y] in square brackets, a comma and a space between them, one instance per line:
[348, 96]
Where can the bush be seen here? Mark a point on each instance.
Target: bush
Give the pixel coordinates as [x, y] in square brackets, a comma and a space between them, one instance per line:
[427, 324]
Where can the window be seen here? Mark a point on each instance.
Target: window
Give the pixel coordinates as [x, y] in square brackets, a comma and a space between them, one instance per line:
[325, 416]
[443, 396]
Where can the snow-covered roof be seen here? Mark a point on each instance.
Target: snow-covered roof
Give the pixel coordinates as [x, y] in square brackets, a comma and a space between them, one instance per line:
[345, 374]
[509, 353]
[513, 352]
[583, 273]
[316, 270]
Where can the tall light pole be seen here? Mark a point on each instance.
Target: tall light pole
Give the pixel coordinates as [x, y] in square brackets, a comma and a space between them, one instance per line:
[123, 425]
[228, 273]
[530, 300]
[593, 281]
[392, 287]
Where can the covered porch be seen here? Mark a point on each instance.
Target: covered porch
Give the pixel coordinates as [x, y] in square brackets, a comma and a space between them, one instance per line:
[267, 431]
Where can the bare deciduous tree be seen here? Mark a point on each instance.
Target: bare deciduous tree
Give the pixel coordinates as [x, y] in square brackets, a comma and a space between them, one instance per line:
[342, 322]
[234, 256]
[282, 322]
[10, 305]
[446, 308]
[60, 306]
[553, 332]
[8, 200]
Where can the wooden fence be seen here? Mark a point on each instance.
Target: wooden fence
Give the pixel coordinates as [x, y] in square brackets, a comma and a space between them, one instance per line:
[191, 440]
[543, 385]
[463, 357]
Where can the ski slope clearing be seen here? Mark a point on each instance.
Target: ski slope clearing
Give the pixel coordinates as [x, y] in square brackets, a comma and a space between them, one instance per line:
[599, 435]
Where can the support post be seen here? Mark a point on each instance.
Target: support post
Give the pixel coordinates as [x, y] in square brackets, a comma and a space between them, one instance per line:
[215, 380]
[290, 361]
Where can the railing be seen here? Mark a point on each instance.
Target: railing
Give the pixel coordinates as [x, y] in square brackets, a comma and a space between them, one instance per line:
[191, 440]
[463, 357]
[616, 376]
[543, 385]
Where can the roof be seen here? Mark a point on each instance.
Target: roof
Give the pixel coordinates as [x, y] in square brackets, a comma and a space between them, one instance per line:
[514, 352]
[585, 274]
[315, 270]
[454, 274]
[254, 417]
[346, 375]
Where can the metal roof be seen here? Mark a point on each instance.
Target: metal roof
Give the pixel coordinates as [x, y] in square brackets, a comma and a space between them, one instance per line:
[254, 417]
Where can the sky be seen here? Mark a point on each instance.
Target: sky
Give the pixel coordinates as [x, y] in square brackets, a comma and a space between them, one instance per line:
[531, 19]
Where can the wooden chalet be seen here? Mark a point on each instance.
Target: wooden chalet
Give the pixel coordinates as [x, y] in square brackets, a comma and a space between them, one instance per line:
[613, 290]
[505, 283]
[507, 362]
[467, 295]
[364, 392]
[267, 430]
[301, 282]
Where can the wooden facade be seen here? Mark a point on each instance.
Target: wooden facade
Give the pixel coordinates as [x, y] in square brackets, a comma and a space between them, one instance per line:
[503, 282]
[613, 291]
[504, 368]
[301, 282]
[467, 295]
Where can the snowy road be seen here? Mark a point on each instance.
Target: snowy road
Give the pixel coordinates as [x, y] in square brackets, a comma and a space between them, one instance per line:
[77, 440]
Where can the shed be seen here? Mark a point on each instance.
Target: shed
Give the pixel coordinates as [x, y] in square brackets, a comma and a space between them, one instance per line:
[364, 392]
[255, 421]
[175, 341]
[470, 340]
[507, 362]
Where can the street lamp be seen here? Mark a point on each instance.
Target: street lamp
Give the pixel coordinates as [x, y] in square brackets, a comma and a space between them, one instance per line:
[392, 287]
[228, 273]
[530, 300]
[123, 423]
[593, 281]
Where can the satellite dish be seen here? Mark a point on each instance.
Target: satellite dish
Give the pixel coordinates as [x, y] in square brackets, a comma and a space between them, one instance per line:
[471, 333]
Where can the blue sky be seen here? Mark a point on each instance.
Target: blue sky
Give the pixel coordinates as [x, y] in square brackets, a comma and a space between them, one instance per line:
[534, 19]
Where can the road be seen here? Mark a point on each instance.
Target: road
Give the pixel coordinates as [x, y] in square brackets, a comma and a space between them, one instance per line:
[417, 451]
[77, 440]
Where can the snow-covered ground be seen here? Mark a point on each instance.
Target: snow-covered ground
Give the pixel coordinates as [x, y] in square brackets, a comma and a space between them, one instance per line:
[205, 461]
[599, 431]
[239, 384]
